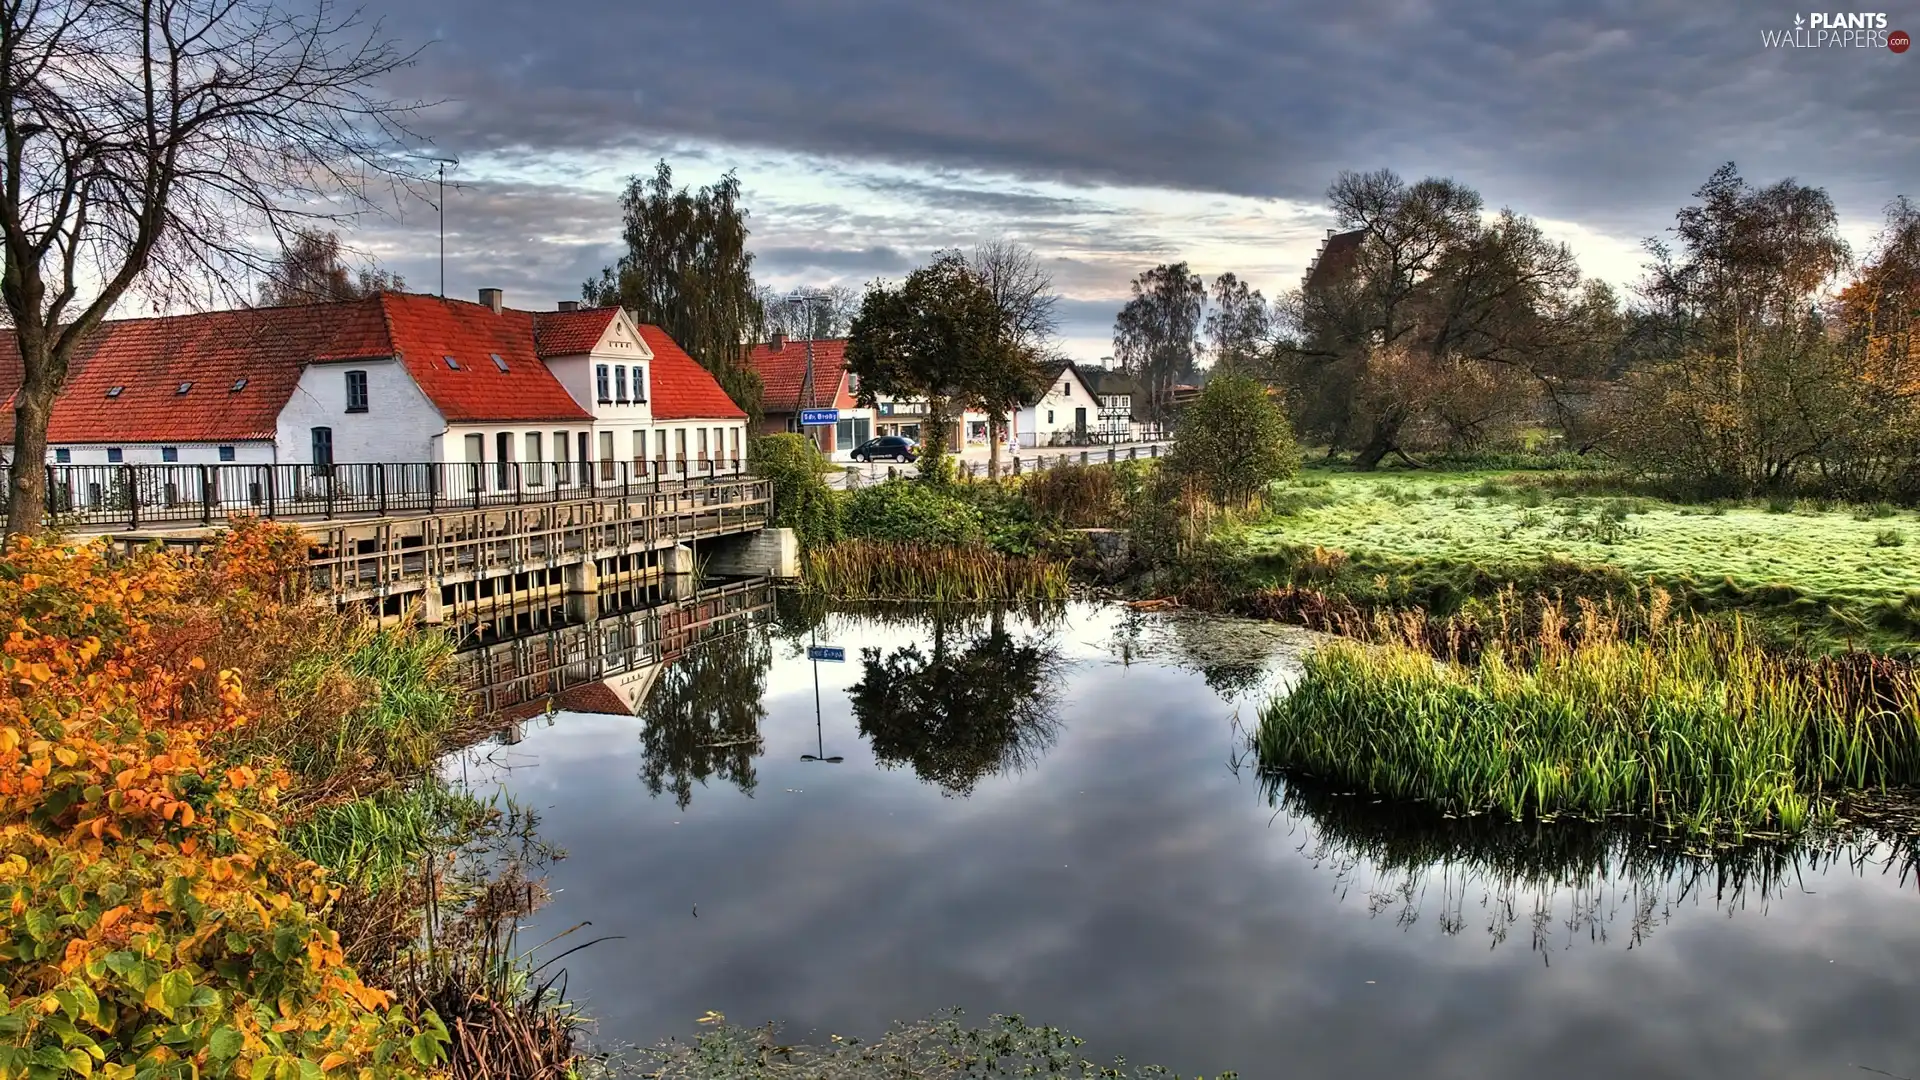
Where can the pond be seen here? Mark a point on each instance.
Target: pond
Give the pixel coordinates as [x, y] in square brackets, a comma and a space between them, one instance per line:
[1054, 813]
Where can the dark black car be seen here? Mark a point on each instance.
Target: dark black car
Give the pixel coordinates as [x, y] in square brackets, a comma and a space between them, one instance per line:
[886, 447]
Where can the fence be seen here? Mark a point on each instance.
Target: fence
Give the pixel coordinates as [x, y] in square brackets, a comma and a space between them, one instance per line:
[136, 495]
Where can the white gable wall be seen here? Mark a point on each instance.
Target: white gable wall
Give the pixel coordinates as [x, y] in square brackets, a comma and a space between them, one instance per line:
[1052, 417]
[399, 424]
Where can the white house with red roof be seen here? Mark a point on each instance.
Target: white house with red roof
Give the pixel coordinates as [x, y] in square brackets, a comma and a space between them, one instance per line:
[393, 378]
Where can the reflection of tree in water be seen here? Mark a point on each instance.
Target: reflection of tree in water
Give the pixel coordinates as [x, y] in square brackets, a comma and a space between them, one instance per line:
[1563, 881]
[967, 709]
[702, 719]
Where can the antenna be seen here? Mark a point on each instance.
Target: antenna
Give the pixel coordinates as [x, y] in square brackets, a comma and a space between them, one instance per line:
[441, 206]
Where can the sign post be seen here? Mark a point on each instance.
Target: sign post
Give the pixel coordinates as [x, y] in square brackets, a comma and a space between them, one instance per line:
[833, 654]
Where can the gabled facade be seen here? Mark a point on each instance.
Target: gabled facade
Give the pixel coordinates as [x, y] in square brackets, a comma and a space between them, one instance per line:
[394, 378]
[1065, 413]
[1120, 409]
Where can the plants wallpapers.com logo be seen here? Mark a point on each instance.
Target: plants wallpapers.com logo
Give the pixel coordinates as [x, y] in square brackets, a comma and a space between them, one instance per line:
[1843, 30]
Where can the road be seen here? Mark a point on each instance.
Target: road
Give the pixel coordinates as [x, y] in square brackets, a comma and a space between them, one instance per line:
[974, 459]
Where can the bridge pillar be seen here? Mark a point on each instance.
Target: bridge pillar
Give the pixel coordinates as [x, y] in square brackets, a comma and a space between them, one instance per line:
[773, 553]
[677, 568]
[433, 610]
[582, 581]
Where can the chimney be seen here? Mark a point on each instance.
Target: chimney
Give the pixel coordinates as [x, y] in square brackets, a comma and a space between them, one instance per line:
[492, 298]
[779, 342]
[569, 305]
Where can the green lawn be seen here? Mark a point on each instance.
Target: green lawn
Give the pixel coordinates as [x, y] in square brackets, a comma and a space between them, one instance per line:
[1838, 554]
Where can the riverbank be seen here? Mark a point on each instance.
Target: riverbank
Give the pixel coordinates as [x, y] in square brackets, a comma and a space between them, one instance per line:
[223, 834]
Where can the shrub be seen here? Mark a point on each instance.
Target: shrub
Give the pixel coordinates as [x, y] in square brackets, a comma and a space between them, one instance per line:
[802, 501]
[905, 512]
[1233, 441]
[1888, 538]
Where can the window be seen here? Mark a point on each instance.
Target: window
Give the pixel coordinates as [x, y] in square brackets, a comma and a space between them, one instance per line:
[600, 384]
[226, 453]
[606, 455]
[736, 440]
[1049, 416]
[560, 447]
[63, 457]
[639, 384]
[703, 444]
[113, 455]
[114, 391]
[660, 444]
[620, 383]
[1066, 389]
[640, 452]
[356, 391]
[535, 473]
[476, 449]
[323, 447]
[170, 455]
[719, 443]
[239, 384]
[497, 362]
[680, 444]
[183, 388]
[452, 364]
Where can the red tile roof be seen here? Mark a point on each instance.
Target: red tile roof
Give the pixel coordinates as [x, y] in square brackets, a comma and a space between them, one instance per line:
[783, 373]
[427, 329]
[682, 389]
[150, 359]
[570, 333]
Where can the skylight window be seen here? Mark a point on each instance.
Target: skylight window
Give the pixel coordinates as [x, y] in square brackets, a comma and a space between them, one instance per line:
[497, 362]
[183, 388]
[239, 384]
[452, 363]
[114, 391]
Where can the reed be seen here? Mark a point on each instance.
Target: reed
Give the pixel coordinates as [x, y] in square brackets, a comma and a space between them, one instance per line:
[1691, 725]
[877, 569]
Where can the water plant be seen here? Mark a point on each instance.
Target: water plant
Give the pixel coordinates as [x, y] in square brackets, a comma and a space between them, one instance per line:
[874, 569]
[1691, 725]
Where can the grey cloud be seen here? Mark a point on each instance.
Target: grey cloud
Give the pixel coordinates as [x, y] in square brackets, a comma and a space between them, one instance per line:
[1608, 115]
[859, 262]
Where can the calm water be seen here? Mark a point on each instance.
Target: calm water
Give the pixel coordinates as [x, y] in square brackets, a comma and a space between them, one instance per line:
[1056, 816]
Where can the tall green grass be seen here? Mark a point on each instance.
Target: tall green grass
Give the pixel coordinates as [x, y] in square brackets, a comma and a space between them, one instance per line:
[874, 569]
[1692, 726]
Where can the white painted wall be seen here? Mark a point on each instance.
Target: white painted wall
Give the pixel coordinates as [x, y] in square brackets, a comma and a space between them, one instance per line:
[244, 453]
[1053, 414]
[400, 424]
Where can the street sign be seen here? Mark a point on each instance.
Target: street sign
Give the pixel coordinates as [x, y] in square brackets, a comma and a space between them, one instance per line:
[831, 653]
[815, 417]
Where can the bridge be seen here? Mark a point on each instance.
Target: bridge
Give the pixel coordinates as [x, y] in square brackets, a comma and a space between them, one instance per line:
[442, 542]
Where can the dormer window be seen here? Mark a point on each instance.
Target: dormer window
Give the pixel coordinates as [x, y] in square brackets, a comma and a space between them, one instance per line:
[497, 362]
[114, 391]
[452, 364]
[239, 384]
[183, 388]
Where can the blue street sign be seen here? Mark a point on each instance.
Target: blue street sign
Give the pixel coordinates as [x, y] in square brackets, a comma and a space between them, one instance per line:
[832, 653]
[814, 417]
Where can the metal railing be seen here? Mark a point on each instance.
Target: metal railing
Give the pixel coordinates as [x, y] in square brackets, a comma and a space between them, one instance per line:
[138, 495]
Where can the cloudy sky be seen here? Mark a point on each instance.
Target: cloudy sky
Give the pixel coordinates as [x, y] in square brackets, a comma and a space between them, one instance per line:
[1109, 134]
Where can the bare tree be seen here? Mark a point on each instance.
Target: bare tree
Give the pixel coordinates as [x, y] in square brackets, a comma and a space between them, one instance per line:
[1023, 292]
[830, 315]
[148, 143]
[311, 270]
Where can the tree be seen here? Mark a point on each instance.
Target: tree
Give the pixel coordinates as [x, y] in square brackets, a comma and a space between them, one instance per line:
[829, 316]
[687, 270]
[1751, 389]
[148, 145]
[702, 718]
[958, 715]
[1232, 441]
[1238, 325]
[802, 501]
[1023, 294]
[1438, 326]
[310, 271]
[1155, 335]
[939, 336]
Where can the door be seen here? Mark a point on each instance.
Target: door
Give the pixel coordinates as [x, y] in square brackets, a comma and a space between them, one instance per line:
[606, 455]
[1080, 424]
[476, 460]
[586, 471]
[322, 451]
[503, 460]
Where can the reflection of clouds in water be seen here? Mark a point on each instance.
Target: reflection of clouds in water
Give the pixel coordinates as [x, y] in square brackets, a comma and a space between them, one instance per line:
[1132, 889]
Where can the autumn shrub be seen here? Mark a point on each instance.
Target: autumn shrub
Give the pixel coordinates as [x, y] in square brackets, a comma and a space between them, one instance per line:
[155, 923]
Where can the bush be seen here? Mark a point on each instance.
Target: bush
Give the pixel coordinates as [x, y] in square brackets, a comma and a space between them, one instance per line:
[1233, 441]
[801, 499]
[901, 511]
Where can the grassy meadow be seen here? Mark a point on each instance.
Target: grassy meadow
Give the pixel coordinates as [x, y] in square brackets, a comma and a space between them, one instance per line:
[1851, 572]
